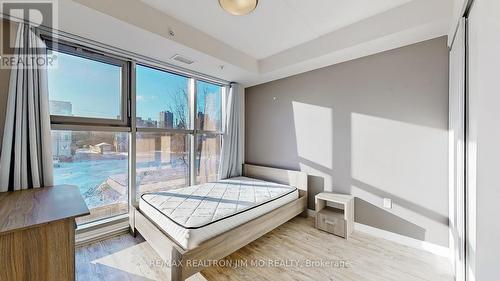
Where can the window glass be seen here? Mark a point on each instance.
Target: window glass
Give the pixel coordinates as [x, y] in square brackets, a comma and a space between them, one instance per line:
[207, 157]
[82, 87]
[96, 162]
[162, 161]
[208, 106]
[161, 99]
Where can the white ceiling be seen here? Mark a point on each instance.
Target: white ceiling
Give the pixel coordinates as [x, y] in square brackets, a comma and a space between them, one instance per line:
[276, 25]
[279, 39]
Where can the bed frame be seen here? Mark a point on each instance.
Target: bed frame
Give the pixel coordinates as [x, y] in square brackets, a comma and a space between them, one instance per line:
[184, 263]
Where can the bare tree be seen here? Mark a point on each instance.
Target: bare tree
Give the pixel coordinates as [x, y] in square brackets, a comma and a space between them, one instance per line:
[208, 144]
[179, 107]
[207, 147]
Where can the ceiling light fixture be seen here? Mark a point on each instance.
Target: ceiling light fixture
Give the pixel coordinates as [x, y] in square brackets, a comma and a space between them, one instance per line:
[239, 7]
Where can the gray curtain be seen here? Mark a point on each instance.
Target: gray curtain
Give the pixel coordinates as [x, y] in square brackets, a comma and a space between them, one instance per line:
[232, 155]
[26, 156]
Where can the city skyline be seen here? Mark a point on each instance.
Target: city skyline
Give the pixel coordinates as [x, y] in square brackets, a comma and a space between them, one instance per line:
[81, 82]
[165, 119]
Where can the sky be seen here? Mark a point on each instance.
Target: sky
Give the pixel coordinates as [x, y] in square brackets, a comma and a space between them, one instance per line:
[94, 88]
[156, 90]
[74, 80]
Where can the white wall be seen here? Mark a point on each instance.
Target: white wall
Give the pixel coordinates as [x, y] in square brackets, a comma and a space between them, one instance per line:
[483, 245]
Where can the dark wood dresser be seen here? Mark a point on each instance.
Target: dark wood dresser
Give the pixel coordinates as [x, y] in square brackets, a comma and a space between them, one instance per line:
[37, 233]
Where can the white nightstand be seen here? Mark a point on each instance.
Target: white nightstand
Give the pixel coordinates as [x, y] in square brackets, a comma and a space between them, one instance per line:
[335, 213]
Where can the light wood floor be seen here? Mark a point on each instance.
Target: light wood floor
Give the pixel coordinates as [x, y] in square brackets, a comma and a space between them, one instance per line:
[275, 257]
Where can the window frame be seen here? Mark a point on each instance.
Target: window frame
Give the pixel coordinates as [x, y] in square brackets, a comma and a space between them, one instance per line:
[191, 132]
[89, 124]
[127, 123]
[90, 54]
[197, 132]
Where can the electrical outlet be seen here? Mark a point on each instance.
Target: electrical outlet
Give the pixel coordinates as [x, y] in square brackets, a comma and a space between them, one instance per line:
[387, 203]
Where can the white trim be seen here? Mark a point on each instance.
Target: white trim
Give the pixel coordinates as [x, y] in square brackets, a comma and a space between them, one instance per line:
[401, 239]
[404, 240]
[101, 230]
[459, 11]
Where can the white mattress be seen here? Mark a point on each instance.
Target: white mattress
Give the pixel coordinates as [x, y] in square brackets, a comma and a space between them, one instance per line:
[194, 214]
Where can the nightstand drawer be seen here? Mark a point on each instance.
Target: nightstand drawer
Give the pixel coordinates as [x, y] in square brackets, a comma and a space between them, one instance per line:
[335, 213]
[331, 221]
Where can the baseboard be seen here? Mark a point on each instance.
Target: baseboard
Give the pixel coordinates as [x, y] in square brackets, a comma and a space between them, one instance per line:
[101, 231]
[101, 236]
[404, 240]
[122, 227]
[398, 238]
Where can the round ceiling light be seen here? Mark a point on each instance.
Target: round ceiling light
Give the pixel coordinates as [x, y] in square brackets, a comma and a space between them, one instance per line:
[238, 7]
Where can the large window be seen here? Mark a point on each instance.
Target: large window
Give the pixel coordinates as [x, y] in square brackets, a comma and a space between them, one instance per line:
[178, 130]
[166, 132]
[209, 125]
[90, 138]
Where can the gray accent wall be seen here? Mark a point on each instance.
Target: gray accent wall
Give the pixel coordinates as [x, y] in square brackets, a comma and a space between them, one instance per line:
[374, 127]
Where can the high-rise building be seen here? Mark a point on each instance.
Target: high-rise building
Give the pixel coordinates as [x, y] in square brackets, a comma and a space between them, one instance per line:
[166, 120]
[151, 123]
[148, 123]
[180, 124]
[64, 108]
[139, 122]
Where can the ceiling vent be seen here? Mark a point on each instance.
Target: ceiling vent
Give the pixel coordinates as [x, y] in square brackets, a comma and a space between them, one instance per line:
[182, 59]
